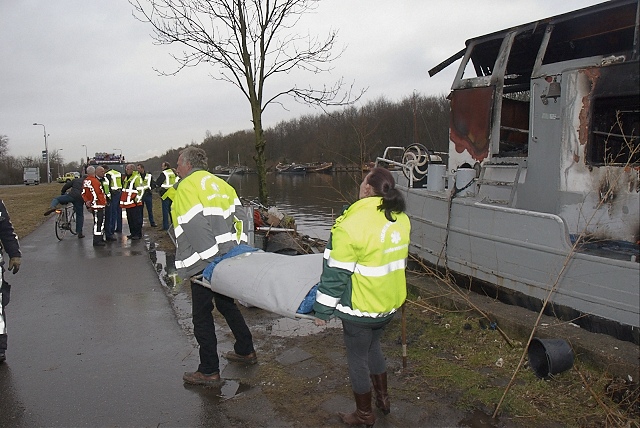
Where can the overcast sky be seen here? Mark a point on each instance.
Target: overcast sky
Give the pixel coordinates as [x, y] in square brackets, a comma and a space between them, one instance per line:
[85, 69]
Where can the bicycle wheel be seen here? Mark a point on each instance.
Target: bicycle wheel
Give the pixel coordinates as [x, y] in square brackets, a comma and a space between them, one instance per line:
[72, 222]
[61, 225]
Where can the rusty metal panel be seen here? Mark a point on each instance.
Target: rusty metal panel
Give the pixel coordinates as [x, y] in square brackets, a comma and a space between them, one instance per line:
[470, 123]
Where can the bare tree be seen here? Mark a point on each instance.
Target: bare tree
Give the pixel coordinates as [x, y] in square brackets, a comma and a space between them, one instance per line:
[250, 41]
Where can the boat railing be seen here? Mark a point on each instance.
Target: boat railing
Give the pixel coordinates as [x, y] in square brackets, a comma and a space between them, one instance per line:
[413, 161]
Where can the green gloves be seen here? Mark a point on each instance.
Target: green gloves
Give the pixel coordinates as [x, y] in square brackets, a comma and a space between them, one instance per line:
[14, 264]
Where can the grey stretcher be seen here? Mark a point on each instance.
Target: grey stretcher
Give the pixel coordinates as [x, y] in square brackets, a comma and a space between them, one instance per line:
[273, 282]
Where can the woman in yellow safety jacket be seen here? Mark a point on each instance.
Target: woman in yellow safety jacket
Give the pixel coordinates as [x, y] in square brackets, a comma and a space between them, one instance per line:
[363, 283]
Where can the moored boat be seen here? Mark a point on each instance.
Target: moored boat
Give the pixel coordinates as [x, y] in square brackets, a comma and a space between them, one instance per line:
[291, 168]
[324, 167]
[540, 194]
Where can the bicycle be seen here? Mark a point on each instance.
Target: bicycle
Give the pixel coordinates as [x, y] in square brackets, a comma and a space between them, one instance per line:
[66, 221]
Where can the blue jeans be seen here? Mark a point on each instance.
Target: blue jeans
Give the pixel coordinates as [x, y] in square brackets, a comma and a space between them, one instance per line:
[78, 207]
[147, 199]
[166, 213]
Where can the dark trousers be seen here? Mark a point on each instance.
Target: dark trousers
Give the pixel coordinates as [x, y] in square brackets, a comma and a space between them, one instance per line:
[364, 354]
[205, 331]
[78, 207]
[108, 230]
[166, 213]
[98, 224]
[134, 218]
[147, 201]
[4, 301]
[116, 212]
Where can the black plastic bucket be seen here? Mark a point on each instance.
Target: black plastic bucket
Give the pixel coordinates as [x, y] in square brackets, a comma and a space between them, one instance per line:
[548, 357]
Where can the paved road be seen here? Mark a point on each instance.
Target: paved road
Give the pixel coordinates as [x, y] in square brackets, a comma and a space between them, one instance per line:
[93, 341]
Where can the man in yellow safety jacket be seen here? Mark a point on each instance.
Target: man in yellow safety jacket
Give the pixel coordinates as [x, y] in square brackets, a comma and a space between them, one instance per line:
[115, 211]
[208, 222]
[164, 182]
[147, 196]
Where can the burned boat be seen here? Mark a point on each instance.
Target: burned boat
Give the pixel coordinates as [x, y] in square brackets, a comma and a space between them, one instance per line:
[539, 197]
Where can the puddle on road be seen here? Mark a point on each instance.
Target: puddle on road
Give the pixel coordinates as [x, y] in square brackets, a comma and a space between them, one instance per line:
[228, 390]
[287, 327]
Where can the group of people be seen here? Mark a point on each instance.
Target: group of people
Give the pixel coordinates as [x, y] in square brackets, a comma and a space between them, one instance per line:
[363, 279]
[362, 283]
[105, 192]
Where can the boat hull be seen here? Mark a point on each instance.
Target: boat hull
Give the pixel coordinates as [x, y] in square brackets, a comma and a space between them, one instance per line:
[524, 251]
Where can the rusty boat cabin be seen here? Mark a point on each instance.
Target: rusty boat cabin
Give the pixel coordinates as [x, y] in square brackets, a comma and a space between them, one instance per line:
[560, 98]
[548, 116]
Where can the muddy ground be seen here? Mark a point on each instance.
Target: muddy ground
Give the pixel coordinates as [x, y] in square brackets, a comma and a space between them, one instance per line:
[455, 372]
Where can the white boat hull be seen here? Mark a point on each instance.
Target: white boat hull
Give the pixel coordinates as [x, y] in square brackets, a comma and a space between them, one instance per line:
[525, 251]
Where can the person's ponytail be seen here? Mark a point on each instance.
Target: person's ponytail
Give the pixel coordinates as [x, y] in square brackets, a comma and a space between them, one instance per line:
[392, 202]
[384, 186]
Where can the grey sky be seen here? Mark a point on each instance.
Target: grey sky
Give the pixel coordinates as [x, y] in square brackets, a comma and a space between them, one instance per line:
[85, 69]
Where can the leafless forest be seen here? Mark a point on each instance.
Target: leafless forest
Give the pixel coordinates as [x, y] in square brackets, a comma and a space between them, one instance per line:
[350, 136]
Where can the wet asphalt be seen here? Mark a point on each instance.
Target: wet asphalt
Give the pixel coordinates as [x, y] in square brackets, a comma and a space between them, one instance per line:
[93, 341]
[100, 337]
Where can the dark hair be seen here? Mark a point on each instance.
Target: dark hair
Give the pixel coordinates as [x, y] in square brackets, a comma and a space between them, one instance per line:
[166, 164]
[383, 185]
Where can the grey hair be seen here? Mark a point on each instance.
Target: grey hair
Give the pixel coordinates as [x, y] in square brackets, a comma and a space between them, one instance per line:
[194, 156]
[91, 170]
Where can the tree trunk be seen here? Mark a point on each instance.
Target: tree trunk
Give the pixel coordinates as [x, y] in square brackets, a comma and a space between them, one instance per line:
[259, 157]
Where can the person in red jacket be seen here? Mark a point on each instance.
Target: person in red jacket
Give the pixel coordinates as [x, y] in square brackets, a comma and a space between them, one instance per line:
[95, 200]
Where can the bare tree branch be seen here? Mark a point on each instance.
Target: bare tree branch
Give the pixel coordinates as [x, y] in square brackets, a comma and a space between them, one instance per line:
[248, 41]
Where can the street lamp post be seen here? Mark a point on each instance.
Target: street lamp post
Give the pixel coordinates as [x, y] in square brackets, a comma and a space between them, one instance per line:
[86, 153]
[46, 151]
[60, 162]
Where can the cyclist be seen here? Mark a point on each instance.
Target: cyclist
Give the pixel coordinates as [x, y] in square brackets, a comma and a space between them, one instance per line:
[71, 192]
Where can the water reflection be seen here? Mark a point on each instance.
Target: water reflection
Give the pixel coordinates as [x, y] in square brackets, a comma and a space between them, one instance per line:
[313, 200]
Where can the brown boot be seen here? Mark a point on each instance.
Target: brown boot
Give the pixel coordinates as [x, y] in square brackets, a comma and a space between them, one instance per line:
[363, 414]
[380, 389]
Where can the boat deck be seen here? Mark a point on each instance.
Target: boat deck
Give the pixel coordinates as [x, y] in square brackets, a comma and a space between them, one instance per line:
[617, 250]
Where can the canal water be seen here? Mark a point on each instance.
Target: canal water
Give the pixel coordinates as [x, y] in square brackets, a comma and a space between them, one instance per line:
[313, 200]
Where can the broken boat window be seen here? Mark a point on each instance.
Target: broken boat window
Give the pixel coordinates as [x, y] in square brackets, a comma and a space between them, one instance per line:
[482, 59]
[614, 132]
[514, 116]
[514, 125]
[609, 32]
[522, 58]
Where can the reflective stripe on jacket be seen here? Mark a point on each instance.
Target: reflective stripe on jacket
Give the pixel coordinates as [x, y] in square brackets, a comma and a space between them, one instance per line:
[206, 221]
[115, 179]
[363, 276]
[131, 191]
[105, 186]
[93, 192]
[146, 182]
[169, 178]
